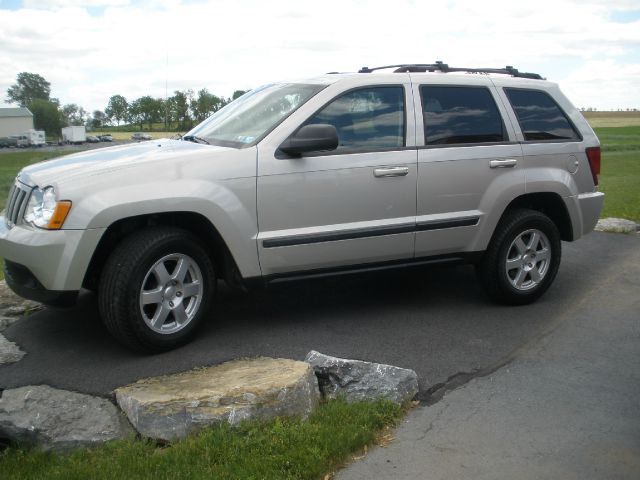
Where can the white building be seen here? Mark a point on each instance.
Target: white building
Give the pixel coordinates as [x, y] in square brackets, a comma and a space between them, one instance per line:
[14, 121]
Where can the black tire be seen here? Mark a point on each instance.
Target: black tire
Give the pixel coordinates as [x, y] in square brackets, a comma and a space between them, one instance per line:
[500, 282]
[129, 268]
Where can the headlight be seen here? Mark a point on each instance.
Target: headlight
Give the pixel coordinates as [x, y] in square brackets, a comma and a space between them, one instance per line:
[44, 211]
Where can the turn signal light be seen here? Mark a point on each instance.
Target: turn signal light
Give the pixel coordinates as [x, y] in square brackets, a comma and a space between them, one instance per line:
[59, 215]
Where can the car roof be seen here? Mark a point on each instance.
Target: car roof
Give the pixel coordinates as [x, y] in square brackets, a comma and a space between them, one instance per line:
[440, 71]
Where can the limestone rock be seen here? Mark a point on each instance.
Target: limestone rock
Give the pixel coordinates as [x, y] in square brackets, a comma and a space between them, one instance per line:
[58, 419]
[356, 380]
[618, 225]
[12, 307]
[9, 351]
[172, 406]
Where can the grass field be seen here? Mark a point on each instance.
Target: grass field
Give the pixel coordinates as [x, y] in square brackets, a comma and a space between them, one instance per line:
[620, 175]
[11, 163]
[613, 119]
[281, 449]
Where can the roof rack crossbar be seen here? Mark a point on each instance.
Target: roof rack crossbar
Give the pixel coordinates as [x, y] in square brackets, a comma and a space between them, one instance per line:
[443, 67]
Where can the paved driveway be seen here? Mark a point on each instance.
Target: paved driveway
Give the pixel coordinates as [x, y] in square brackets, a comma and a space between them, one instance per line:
[566, 407]
[435, 321]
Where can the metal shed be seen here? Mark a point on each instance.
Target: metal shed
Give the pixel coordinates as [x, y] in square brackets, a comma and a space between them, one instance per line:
[14, 121]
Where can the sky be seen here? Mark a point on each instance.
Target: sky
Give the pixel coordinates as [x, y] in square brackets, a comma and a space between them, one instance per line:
[92, 49]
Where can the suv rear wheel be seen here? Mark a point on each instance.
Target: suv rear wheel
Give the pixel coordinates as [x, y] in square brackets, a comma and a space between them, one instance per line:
[156, 288]
[522, 259]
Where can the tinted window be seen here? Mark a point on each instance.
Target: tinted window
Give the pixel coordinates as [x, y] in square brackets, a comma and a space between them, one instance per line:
[460, 115]
[367, 118]
[539, 116]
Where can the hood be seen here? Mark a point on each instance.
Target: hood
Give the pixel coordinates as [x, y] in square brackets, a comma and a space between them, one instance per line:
[83, 166]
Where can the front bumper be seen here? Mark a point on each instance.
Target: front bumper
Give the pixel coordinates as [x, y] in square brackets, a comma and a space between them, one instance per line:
[25, 284]
[56, 259]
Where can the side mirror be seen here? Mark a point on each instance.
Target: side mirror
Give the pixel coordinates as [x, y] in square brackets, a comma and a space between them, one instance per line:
[311, 138]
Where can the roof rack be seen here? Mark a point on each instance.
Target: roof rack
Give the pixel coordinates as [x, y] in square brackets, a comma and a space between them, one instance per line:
[443, 67]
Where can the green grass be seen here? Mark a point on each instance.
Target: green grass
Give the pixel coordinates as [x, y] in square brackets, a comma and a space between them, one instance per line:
[279, 449]
[11, 163]
[620, 171]
[620, 181]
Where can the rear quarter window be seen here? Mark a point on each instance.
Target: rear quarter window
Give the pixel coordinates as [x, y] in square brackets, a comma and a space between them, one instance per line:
[539, 116]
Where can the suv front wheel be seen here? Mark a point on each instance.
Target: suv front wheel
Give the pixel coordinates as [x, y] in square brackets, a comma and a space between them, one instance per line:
[522, 259]
[156, 288]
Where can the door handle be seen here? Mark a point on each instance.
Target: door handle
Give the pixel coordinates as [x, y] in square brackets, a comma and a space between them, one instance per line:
[507, 163]
[391, 172]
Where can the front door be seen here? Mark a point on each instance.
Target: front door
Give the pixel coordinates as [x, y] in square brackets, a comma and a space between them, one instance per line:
[355, 205]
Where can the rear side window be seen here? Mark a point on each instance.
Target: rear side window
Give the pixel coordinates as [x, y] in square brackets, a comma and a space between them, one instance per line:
[539, 116]
[454, 115]
[367, 118]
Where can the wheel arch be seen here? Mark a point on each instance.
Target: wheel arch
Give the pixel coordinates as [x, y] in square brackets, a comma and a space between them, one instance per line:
[196, 223]
[550, 204]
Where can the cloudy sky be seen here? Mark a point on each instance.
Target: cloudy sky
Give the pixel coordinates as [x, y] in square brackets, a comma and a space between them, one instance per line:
[92, 49]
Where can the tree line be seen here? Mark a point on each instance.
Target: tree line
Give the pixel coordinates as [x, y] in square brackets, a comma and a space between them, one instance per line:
[178, 112]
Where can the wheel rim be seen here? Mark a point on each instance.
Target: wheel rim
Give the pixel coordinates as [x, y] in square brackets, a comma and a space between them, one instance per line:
[528, 260]
[171, 293]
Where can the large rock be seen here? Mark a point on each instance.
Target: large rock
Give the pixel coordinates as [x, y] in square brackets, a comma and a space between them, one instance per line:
[618, 225]
[13, 307]
[59, 420]
[356, 380]
[9, 351]
[170, 407]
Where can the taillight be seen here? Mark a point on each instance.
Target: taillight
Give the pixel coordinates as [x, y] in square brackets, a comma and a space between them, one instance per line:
[593, 154]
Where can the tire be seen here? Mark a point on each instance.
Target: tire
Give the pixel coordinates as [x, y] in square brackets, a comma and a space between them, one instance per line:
[155, 289]
[522, 259]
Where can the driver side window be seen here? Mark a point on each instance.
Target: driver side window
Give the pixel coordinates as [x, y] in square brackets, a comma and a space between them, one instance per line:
[366, 119]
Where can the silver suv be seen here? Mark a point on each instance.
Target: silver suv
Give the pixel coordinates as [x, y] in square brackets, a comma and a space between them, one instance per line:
[411, 164]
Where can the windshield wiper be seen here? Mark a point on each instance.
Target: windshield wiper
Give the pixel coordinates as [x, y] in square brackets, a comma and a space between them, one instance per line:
[195, 139]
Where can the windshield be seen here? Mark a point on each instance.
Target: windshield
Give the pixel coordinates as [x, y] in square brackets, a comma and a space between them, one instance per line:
[248, 119]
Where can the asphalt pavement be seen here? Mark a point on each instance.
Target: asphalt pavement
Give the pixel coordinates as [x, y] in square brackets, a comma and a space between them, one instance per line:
[566, 406]
[436, 321]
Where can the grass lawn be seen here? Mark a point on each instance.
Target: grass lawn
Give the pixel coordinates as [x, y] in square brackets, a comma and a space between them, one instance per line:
[280, 449]
[620, 175]
[12, 162]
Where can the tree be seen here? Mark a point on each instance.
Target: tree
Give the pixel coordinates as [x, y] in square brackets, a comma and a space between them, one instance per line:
[146, 110]
[28, 87]
[205, 104]
[73, 114]
[46, 116]
[180, 107]
[117, 108]
[98, 120]
[238, 93]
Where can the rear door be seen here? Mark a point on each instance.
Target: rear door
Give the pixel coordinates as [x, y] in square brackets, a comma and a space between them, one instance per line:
[352, 206]
[469, 163]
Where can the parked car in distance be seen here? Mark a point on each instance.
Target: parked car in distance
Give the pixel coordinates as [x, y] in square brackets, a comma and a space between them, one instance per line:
[106, 138]
[8, 142]
[22, 141]
[335, 174]
[141, 136]
[92, 139]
